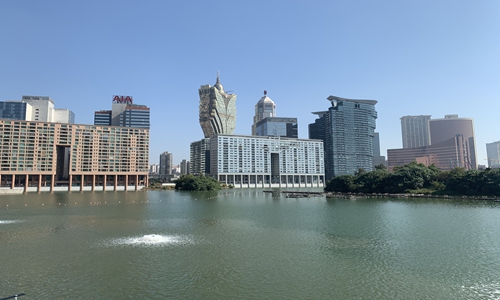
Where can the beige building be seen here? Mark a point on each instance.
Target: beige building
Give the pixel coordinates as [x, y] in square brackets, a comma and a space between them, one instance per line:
[445, 155]
[41, 156]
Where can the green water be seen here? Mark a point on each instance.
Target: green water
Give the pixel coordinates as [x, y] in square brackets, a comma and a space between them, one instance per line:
[246, 244]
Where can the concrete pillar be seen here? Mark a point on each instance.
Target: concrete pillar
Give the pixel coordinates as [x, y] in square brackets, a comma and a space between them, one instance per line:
[26, 183]
[39, 183]
[82, 178]
[13, 181]
[52, 182]
[104, 183]
[116, 181]
[70, 183]
[126, 182]
[136, 182]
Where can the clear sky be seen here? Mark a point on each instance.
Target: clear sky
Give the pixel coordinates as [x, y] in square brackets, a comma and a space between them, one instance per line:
[415, 57]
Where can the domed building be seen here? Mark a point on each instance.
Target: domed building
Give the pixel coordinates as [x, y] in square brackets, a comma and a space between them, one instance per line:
[263, 109]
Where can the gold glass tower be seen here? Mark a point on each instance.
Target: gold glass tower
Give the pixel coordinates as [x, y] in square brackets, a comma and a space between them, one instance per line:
[217, 110]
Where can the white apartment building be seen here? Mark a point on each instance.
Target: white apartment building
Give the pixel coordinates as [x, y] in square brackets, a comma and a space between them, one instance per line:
[261, 161]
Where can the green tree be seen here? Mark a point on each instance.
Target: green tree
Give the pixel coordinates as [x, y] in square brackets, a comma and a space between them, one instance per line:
[341, 184]
[197, 183]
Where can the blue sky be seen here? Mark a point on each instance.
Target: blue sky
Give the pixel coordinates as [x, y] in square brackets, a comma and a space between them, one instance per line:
[414, 57]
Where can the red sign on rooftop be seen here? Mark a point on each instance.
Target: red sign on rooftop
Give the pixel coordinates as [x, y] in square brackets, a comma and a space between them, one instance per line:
[122, 99]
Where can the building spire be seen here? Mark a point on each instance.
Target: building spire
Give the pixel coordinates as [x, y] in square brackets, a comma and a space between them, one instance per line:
[218, 76]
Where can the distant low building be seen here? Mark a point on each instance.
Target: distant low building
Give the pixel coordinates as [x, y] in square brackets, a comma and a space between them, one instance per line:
[446, 155]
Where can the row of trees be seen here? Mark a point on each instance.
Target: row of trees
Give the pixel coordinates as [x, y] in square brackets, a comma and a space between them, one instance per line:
[417, 178]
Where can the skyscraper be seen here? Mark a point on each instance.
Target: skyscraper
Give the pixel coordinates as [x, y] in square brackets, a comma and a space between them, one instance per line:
[166, 165]
[264, 108]
[449, 127]
[217, 110]
[415, 131]
[348, 126]
[184, 167]
[124, 113]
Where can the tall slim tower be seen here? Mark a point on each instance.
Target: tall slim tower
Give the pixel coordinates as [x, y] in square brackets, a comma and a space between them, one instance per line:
[493, 154]
[263, 109]
[415, 131]
[217, 110]
[347, 130]
[165, 163]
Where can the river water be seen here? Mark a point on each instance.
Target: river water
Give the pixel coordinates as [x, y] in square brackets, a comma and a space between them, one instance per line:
[246, 244]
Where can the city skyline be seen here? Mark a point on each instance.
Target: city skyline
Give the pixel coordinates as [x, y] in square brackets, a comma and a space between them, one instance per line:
[420, 58]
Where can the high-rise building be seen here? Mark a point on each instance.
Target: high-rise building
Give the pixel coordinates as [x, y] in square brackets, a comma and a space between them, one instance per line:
[124, 113]
[377, 158]
[276, 126]
[255, 161]
[415, 131]
[441, 130]
[199, 163]
[184, 167]
[349, 126]
[493, 154]
[35, 108]
[15, 110]
[166, 164]
[264, 108]
[217, 110]
[43, 156]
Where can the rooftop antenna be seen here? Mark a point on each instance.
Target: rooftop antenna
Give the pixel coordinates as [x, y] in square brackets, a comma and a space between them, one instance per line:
[218, 75]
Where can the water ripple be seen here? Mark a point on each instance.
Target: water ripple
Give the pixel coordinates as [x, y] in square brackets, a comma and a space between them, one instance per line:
[148, 240]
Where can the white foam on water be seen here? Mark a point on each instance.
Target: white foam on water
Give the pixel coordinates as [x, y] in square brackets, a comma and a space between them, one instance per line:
[10, 221]
[150, 240]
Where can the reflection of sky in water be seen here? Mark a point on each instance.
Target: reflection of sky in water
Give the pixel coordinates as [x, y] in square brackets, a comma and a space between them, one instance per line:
[485, 291]
[10, 221]
[149, 240]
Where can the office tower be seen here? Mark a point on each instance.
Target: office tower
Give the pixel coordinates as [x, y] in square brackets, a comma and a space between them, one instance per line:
[199, 162]
[217, 110]
[124, 113]
[43, 156]
[349, 126]
[258, 161]
[377, 158]
[15, 110]
[493, 154]
[35, 108]
[276, 126]
[42, 107]
[441, 130]
[184, 167]
[415, 131]
[166, 164]
[264, 108]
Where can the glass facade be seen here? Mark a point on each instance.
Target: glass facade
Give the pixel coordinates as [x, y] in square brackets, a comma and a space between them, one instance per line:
[217, 110]
[349, 127]
[14, 110]
[280, 127]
